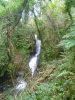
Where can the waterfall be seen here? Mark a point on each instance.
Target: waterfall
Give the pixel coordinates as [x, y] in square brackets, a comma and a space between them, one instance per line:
[33, 63]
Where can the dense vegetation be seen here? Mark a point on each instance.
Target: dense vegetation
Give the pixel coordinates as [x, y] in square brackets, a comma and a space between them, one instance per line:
[54, 23]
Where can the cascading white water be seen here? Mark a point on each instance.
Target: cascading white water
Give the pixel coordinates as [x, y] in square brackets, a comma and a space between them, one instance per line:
[21, 86]
[34, 60]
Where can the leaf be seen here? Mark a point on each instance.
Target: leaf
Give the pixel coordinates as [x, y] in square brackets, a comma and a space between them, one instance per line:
[70, 35]
[3, 71]
[67, 44]
[65, 73]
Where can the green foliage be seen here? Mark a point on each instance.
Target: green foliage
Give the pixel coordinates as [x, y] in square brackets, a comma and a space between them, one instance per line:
[68, 6]
[65, 73]
[8, 17]
[68, 41]
[60, 85]
[67, 69]
[4, 60]
[53, 90]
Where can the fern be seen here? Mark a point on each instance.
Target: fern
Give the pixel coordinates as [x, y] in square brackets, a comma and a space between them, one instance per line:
[68, 41]
[65, 73]
[68, 44]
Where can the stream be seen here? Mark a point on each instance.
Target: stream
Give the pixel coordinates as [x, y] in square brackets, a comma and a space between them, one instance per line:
[7, 88]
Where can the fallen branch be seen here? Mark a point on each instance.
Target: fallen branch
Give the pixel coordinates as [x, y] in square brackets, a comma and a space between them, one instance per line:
[44, 75]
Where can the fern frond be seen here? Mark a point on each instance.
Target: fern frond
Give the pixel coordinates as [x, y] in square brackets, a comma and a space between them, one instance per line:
[70, 35]
[68, 41]
[68, 44]
[65, 73]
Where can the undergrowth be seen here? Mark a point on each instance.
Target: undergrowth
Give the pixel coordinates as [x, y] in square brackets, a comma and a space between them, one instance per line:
[60, 85]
